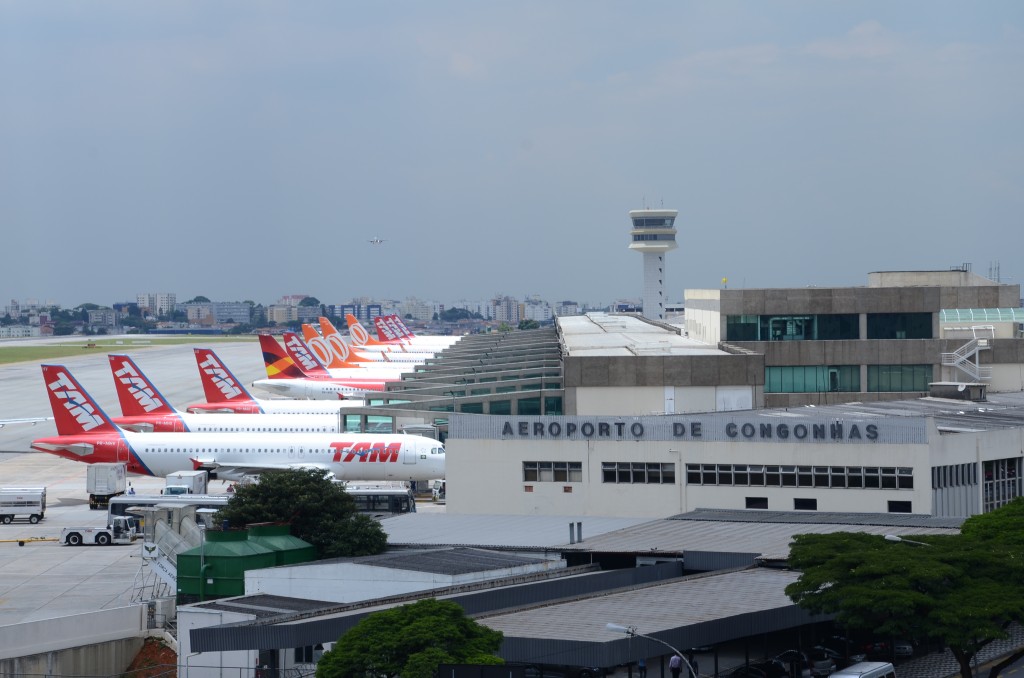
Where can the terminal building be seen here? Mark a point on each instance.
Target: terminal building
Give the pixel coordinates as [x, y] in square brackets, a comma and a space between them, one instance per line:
[904, 396]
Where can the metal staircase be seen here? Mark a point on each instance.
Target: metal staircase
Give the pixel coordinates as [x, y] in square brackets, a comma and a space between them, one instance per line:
[966, 358]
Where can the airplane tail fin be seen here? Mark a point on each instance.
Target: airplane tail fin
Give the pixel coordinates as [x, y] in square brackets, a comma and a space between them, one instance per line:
[303, 357]
[135, 391]
[401, 327]
[219, 384]
[74, 410]
[277, 362]
[357, 333]
[309, 332]
[331, 348]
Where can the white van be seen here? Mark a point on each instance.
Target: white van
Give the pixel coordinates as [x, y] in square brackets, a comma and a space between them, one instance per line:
[22, 501]
[867, 670]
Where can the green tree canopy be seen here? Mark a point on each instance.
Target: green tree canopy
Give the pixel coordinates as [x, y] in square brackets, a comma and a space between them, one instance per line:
[528, 324]
[310, 301]
[319, 510]
[961, 591]
[411, 641]
[198, 300]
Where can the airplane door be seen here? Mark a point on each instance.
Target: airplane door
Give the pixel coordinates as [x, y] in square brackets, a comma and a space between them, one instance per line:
[410, 454]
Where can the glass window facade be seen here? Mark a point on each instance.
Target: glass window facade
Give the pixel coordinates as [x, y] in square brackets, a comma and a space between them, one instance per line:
[895, 378]
[1002, 482]
[758, 475]
[900, 326]
[553, 471]
[821, 327]
[812, 378]
[638, 473]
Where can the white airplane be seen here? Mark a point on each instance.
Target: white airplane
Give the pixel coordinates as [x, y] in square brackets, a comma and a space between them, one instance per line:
[376, 241]
[225, 393]
[310, 364]
[338, 352]
[391, 330]
[85, 433]
[145, 410]
[285, 377]
[24, 420]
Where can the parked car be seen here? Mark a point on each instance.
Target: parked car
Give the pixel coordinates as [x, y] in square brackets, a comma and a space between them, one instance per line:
[813, 663]
[838, 656]
[846, 651]
[902, 648]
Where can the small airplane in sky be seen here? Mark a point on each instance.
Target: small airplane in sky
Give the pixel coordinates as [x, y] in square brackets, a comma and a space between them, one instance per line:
[376, 241]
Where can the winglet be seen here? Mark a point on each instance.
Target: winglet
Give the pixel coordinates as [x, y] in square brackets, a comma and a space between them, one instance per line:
[136, 393]
[219, 384]
[74, 410]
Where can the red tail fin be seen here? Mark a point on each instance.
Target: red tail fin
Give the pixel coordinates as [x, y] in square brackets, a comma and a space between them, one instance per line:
[135, 392]
[219, 385]
[74, 410]
[385, 332]
[303, 357]
[277, 362]
[400, 327]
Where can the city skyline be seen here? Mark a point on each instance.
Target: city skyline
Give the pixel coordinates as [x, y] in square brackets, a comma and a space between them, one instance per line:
[231, 150]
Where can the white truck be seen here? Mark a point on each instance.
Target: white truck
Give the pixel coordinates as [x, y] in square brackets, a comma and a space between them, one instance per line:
[186, 482]
[103, 481]
[22, 501]
[122, 530]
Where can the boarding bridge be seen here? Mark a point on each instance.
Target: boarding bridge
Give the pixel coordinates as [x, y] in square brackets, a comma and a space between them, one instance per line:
[966, 358]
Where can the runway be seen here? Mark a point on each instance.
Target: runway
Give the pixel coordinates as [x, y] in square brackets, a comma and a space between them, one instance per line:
[42, 579]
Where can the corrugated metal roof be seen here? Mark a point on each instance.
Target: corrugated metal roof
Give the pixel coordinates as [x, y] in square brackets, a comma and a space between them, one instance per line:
[724, 532]
[659, 607]
[442, 561]
[496, 531]
[603, 334]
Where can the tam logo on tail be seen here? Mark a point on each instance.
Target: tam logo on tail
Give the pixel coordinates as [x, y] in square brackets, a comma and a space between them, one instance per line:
[137, 386]
[220, 377]
[301, 353]
[384, 330]
[75, 402]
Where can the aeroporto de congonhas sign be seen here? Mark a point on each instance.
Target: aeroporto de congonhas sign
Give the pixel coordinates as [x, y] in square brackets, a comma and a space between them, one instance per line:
[715, 427]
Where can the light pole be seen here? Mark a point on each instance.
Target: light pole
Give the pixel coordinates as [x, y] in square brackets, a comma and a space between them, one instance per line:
[632, 633]
[893, 537]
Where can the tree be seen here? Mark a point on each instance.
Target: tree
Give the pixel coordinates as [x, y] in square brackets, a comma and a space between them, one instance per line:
[309, 301]
[528, 324]
[198, 300]
[411, 641]
[319, 510]
[961, 591]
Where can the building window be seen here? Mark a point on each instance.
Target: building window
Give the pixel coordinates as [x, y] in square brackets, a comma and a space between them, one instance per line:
[757, 502]
[839, 477]
[899, 378]
[899, 325]
[641, 473]
[500, 407]
[553, 471]
[899, 507]
[805, 504]
[1002, 482]
[820, 327]
[812, 379]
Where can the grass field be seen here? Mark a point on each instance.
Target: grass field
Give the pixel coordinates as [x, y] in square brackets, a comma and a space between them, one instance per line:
[57, 348]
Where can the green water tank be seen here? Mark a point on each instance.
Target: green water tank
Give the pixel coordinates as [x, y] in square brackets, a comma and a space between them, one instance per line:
[277, 537]
[216, 568]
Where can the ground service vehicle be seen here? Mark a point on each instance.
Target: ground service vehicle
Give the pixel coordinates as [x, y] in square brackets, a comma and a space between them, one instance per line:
[382, 501]
[122, 530]
[22, 501]
[120, 506]
[186, 482]
[867, 670]
[103, 481]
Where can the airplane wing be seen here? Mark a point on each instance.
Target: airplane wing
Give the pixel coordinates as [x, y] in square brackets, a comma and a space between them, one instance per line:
[232, 470]
[25, 420]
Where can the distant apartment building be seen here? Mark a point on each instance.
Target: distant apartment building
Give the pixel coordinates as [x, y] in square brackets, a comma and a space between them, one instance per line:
[19, 331]
[506, 309]
[103, 318]
[231, 311]
[567, 308]
[197, 311]
[282, 314]
[291, 299]
[159, 303]
[363, 311]
[419, 310]
[536, 309]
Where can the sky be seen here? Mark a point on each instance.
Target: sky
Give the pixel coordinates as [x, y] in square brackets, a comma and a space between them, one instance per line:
[248, 150]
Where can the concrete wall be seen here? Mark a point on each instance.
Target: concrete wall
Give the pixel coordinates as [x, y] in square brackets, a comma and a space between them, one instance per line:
[96, 643]
[488, 476]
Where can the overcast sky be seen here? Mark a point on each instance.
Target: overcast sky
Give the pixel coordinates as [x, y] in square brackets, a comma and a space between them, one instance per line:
[248, 150]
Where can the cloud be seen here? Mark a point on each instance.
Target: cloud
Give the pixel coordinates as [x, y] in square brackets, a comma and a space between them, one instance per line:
[868, 40]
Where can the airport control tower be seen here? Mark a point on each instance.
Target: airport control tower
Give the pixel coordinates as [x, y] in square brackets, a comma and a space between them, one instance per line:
[653, 235]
